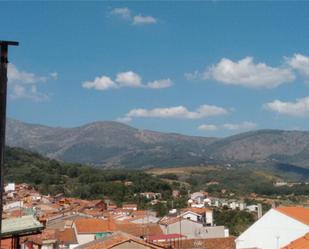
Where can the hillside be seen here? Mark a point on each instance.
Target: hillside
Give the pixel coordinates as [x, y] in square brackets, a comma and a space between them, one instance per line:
[76, 180]
[109, 144]
[112, 144]
[264, 146]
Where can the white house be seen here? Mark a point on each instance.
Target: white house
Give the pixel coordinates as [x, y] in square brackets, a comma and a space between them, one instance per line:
[13, 205]
[276, 229]
[9, 187]
[192, 229]
[202, 215]
[198, 197]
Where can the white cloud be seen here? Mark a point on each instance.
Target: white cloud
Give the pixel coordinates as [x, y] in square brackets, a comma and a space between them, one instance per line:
[140, 19]
[300, 63]
[27, 92]
[246, 73]
[165, 83]
[23, 84]
[100, 83]
[122, 12]
[193, 76]
[16, 75]
[125, 79]
[244, 126]
[299, 108]
[129, 78]
[208, 127]
[182, 112]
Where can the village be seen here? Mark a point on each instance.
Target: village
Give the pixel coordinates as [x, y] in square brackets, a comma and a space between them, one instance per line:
[36, 221]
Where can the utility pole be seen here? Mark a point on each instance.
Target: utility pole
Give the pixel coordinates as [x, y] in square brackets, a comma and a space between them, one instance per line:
[4, 45]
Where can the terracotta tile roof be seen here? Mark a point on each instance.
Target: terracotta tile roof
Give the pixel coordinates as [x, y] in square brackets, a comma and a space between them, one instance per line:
[165, 237]
[117, 239]
[139, 230]
[129, 205]
[47, 234]
[301, 243]
[6, 243]
[67, 236]
[172, 220]
[299, 213]
[84, 225]
[196, 210]
[219, 243]
[93, 212]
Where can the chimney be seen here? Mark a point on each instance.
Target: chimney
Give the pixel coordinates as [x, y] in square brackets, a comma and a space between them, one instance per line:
[260, 211]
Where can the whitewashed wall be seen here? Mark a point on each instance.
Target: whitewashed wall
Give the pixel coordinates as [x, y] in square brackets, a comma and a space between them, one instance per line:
[273, 231]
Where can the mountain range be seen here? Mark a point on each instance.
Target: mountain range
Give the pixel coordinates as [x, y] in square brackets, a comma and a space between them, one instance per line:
[112, 144]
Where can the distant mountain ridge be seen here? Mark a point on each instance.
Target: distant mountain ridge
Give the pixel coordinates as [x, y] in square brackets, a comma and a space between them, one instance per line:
[113, 144]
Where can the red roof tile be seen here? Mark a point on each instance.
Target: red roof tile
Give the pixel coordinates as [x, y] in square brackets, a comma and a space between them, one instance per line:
[117, 239]
[301, 243]
[299, 213]
[165, 237]
[84, 225]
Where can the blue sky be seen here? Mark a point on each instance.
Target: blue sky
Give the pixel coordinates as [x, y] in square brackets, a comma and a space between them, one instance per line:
[200, 68]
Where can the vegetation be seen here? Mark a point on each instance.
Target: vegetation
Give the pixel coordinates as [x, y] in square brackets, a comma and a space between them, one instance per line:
[237, 221]
[75, 180]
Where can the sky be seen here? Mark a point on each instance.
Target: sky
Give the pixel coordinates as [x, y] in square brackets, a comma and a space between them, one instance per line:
[198, 68]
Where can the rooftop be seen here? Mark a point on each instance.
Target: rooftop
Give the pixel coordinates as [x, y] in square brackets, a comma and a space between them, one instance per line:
[299, 213]
[301, 243]
[116, 239]
[20, 225]
[84, 225]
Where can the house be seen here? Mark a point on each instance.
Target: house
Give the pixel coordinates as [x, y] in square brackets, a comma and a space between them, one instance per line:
[202, 215]
[198, 197]
[50, 238]
[129, 207]
[67, 238]
[119, 240]
[13, 205]
[151, 195]
[148, 218]
[87, 230]
[276, 229]
[252, 208]
[191, 229]
[139, 230]
[165, 238]
[218, 243]
[300, 243]
[9, 187]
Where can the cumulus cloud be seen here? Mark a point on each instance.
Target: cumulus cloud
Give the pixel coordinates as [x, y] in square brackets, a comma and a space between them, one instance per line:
[300, 63]
[126, 13]
[125, 79]
[246, 73]
[178, 112]
[129, 79]
[244, 126]
[23, 84]
[139, 19]
[299, 108]
[100, 83]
